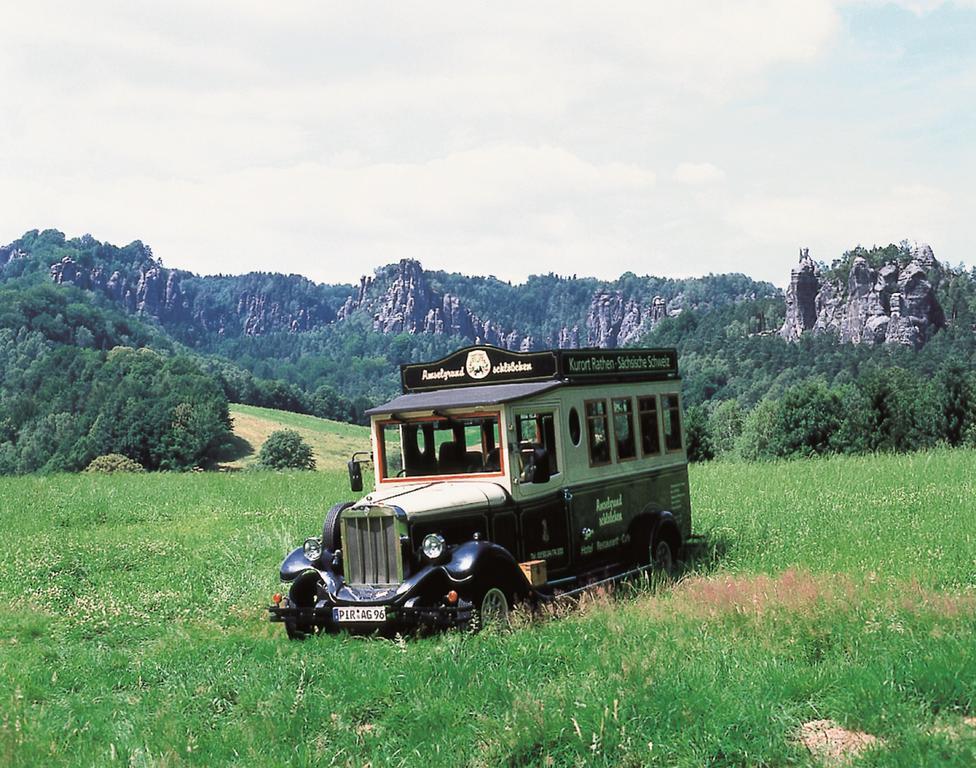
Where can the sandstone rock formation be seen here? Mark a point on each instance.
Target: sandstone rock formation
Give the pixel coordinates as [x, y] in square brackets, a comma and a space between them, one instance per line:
[613, 321]
[399, 298]
[8, 253]
[893, 304]
[173, 296]
[408, 304]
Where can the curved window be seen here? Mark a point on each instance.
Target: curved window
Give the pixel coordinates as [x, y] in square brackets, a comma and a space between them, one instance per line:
[574, 426]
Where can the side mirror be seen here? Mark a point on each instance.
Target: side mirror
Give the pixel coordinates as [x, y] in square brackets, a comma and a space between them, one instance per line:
[355, 476]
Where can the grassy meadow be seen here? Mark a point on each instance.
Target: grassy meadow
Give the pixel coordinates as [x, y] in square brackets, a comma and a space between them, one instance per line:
[332, 442]
[133, 632]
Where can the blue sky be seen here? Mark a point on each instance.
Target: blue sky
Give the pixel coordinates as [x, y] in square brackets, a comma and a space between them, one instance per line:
[504, 138]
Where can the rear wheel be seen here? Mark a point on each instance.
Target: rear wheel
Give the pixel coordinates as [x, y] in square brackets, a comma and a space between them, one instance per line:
[662, 558]
[658, 548]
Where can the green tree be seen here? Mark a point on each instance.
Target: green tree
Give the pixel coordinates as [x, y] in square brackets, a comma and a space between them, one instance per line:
[957, 402]
[758, 429]
[285, 449]
[892, 403]
[725, 425]
[809, 415]
[698, 440]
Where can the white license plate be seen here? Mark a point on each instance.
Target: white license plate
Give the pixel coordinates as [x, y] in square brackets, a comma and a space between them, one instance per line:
[355, 613]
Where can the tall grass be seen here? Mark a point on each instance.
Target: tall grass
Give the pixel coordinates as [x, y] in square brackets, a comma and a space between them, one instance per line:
[132, 632]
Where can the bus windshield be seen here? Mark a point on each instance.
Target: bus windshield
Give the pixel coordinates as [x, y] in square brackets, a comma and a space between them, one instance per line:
[440, 446]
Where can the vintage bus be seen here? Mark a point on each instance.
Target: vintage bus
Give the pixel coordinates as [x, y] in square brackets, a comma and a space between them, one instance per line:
[500, 477]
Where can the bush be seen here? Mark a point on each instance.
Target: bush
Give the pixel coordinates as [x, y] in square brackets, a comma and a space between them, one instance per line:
[114, 462]
[725, 425]
[697, 437]
[753, 443]
[809, 415]
[285, 449]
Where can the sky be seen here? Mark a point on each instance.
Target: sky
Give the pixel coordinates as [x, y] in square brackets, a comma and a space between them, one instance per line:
[327, 139]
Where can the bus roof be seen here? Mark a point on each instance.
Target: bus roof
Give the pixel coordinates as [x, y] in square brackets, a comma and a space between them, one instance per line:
[461, 397]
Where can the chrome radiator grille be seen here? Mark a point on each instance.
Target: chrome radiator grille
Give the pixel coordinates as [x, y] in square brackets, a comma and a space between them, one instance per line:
[371, 548]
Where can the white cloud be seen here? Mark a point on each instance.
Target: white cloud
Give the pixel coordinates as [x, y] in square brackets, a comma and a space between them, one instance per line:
[832, 225]
[339, 221]
[698, 174]
[505, 137]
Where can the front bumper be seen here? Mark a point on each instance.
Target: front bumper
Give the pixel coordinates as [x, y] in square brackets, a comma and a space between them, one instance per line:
[404, 617]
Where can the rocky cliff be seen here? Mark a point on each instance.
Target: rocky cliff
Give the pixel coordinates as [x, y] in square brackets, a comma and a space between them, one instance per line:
[401, 299]
[894, 303]
[249, 305]
[616, 321]
[546, 311]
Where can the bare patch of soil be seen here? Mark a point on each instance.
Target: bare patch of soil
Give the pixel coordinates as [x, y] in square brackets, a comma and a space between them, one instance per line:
[833, 744]
[964, 728]
[795, 590]
[803, 593]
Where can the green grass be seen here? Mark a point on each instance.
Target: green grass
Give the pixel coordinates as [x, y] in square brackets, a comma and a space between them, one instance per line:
[132, 632]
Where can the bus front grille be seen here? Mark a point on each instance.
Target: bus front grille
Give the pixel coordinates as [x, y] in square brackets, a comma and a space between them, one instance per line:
[371, 548]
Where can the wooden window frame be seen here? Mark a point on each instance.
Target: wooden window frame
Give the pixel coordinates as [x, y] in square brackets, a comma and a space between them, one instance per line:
[606, 431]
[380, 449]
[539, 415]
[633, 433]
[658, 425]
[681, 436]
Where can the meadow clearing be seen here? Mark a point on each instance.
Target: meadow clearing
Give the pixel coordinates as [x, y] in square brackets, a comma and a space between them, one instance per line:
[133, 632]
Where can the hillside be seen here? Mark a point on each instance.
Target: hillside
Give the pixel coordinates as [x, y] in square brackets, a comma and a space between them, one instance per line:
[332, 442]
[889, 331]
[143, 627]
[204, 311]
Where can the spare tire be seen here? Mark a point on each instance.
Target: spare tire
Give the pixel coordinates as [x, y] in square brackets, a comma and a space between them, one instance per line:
[330, 528]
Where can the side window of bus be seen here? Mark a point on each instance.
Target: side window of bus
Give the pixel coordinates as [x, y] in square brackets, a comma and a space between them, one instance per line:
[647, 415]
[671, 413]
[598, 432]
[623, 427]
[536, 430]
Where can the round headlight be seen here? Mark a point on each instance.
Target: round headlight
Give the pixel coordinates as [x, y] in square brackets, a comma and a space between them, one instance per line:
[433, 546]
[313, 549]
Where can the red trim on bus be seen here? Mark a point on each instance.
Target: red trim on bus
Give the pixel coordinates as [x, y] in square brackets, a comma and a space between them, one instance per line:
[419, 478]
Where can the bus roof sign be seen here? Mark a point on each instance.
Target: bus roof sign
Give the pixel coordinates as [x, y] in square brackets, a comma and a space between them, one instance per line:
[483, 365]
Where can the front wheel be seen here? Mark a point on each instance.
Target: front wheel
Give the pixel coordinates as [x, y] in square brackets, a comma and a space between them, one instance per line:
[493, 608]
[294, 631]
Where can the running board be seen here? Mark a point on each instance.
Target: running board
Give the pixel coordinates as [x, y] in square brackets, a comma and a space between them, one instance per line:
[608, 580]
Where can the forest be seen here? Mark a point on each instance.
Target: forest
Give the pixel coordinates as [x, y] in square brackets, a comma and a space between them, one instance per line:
[83, 374]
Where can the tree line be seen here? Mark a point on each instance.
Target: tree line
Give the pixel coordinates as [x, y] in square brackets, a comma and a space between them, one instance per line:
[883, 410]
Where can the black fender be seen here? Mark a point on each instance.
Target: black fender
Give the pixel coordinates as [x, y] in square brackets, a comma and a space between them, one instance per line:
[650, 526]
[479, 565]
[296, 563]
[307, 586]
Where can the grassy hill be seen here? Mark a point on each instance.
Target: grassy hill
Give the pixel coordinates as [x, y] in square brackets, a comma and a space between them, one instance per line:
[134, 632]
[333, 442]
